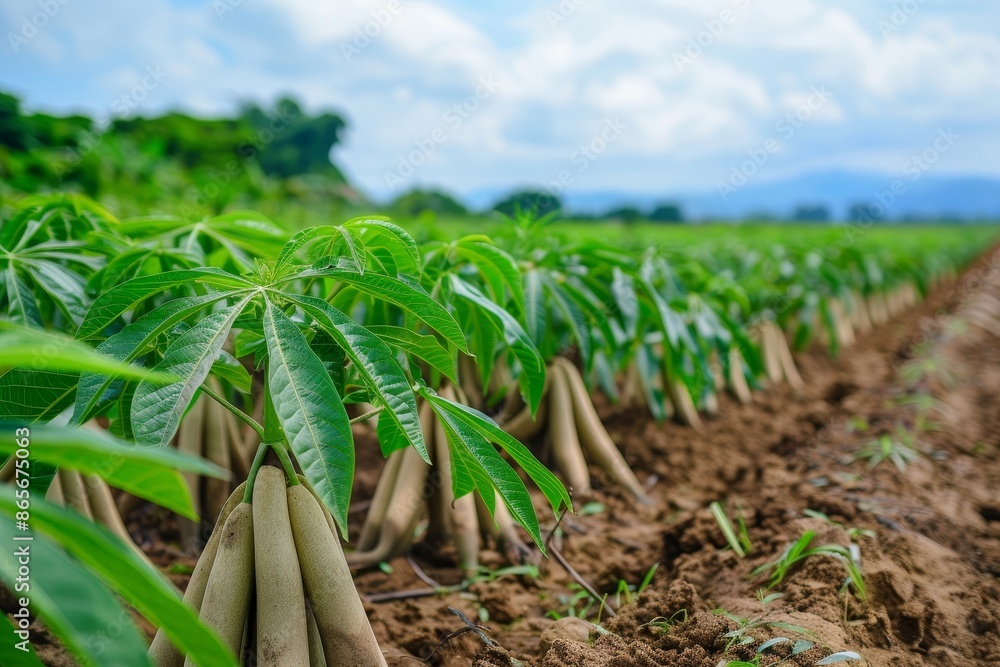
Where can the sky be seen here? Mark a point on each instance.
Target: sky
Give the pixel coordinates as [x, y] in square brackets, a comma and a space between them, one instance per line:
[571, 95]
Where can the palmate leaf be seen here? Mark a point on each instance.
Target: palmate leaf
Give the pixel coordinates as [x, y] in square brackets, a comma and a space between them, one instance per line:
[376, 364]
[478, 434]
[152, 474]
[112, 304]
[378, 233]
[157, 410]
[311, 413]
[516, 339]
[47, 373]
[64, 287]
[331, 232]
[78, 608]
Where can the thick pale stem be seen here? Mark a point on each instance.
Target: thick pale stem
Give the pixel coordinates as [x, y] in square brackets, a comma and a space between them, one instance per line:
[594, 438]
[566, 450]
[343, 626]
[401, 518]
[380, 502]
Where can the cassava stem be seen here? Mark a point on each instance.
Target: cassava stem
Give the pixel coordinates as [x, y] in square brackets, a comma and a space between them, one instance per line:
[380, 502]
[566, 448]
[75, 493]
[162, 652]
[231, 582]
[105, 512]
[282, 637]
[402, 515]
[344, 629]
[216, 450]
[597, 444]
[190, 440]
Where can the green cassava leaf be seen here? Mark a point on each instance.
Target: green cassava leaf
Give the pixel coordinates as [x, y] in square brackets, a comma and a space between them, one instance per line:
[516, 339]
[465, 420]
[157, 410]
[130, 343]
[110, 305]
[376, 364]
[71, 601]
[423, 347]
[311, 413]
[152, 474]
[407, 295]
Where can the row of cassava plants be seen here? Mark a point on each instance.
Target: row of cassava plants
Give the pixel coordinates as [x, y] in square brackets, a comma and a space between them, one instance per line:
[240, 323]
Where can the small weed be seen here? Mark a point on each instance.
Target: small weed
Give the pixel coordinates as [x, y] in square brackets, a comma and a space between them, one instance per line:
[577, 605]
[741, 635]
[887, 448]
[663, 625]
[738, 542]
[802, 549]
[766, 598]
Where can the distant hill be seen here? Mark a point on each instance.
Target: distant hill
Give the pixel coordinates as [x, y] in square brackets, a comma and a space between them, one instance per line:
[929, 196]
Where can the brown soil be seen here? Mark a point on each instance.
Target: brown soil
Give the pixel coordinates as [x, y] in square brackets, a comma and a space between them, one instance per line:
[930, 567]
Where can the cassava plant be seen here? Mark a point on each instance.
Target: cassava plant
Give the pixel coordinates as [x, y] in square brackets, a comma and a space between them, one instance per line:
[313, 355]
[478, 283]
[563, 311]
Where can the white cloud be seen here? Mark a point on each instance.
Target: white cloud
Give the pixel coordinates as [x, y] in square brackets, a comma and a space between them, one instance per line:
[559, 80]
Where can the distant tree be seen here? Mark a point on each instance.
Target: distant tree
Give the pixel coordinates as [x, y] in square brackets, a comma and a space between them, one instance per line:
[418, 202]
[669, 212]
[289, 141]
[14, 130]
[626, 214]
[528, 201]
[811, 213]
[864, 212]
